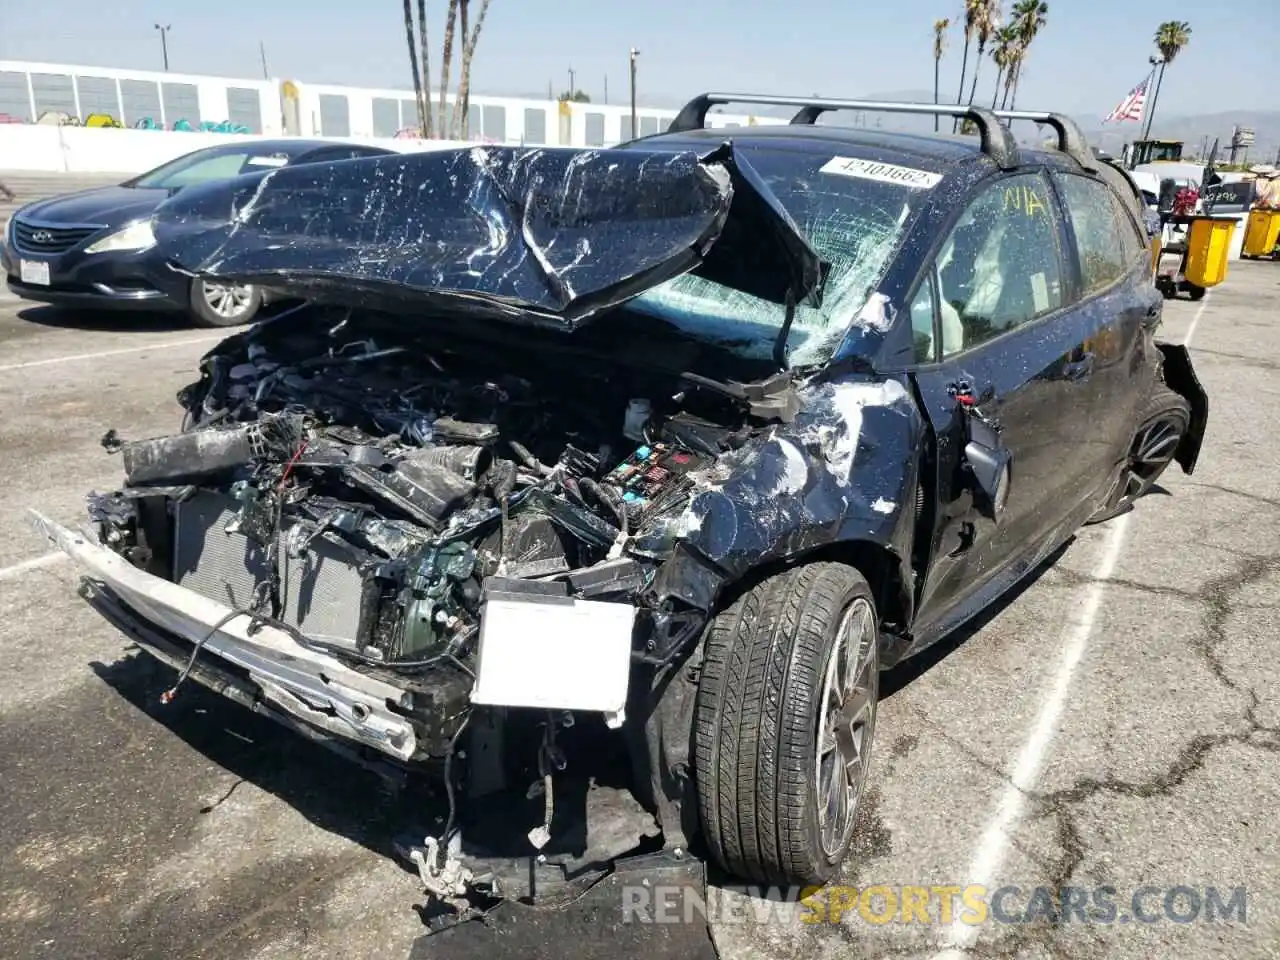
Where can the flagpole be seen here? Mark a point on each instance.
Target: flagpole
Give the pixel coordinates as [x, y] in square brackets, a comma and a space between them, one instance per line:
[1155, 95]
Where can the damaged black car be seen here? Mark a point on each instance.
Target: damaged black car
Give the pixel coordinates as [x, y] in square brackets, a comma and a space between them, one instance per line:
[650, 457]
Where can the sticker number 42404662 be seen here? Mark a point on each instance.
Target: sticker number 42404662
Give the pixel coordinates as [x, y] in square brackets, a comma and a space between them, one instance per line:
[884, 172]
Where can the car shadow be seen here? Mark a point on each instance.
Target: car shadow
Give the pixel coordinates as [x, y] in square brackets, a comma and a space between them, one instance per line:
[329, 790]
[896, 678]
[106, 321]
[339, 797]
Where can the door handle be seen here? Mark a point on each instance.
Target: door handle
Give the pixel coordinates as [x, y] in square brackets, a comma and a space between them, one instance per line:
[1079, 368]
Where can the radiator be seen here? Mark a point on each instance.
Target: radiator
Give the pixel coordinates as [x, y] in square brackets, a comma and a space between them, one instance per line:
[322, 591]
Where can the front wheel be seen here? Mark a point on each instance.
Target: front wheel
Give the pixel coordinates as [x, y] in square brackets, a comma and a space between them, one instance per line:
[1161, 427]
[224, 304]
[784, 719]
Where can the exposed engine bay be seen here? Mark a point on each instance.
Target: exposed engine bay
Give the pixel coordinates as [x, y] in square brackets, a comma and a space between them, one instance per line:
[448, 515]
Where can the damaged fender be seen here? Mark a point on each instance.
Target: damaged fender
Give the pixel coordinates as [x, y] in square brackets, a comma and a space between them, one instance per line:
[843, 472]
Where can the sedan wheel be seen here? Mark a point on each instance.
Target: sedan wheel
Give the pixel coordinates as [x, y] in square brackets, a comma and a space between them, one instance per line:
[1160, 431]
[783, 724]
[224, 304]
[849, 698]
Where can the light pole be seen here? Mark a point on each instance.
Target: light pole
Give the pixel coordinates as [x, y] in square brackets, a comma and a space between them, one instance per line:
[634, 53]
[164, 44]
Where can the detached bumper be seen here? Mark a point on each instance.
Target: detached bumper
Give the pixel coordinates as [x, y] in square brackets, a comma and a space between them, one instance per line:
[1180, 376]
[312, 688]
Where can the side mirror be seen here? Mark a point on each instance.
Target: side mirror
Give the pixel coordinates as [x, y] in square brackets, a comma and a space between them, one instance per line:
[990, 463]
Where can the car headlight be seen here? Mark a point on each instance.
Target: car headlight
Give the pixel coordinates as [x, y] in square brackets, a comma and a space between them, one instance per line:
[136, 236]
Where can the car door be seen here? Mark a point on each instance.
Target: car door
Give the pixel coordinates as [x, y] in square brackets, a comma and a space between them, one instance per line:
[997, 338]
[1118, 306]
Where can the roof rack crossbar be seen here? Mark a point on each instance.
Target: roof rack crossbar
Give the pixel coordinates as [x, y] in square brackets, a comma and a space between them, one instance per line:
[997, 142]
[1071, 139]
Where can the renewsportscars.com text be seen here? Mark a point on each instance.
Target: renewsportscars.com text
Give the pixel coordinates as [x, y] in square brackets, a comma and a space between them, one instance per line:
[943, 904]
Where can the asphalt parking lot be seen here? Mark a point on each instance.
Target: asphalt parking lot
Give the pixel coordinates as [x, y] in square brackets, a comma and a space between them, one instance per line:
[1117, 724]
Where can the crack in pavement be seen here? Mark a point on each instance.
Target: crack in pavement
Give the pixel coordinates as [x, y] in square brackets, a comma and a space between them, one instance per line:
[1240, 358]
[1242, 494]
[1216, 598]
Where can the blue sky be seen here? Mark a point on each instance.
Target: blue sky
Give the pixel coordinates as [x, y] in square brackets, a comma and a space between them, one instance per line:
[1090, 55]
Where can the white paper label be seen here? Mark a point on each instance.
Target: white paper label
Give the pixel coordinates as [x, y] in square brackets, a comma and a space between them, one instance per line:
[1039, 292]
[884, 172]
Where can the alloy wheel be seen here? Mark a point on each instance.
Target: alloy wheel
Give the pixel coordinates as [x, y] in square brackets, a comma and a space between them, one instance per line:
[227, 300]
[1153, 449]
[845, 727]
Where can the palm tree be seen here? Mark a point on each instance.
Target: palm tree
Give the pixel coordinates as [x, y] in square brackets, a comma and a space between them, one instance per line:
[468, 51]
[424, 94]
[1004, 53]
[413, 62]
[971, 8]
[940, 28]
[1171, 37]
[1029, 18]
[450, 19]
[988, 23]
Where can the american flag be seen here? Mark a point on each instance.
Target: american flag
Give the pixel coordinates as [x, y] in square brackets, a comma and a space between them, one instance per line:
[1132, 106]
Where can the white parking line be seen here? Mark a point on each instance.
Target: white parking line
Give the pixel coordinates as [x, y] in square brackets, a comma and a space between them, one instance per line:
[992, 848]
[36, 563]
[112, 353]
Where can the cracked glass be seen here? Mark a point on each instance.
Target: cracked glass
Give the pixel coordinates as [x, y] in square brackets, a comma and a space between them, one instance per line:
[854, 224]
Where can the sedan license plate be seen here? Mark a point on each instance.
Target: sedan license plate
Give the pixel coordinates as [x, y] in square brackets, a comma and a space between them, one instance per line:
[35, 272]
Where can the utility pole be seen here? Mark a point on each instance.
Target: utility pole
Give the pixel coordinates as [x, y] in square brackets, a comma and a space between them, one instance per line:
[262, 49]
[572, 88]
[634, 53]
[606, 88]
[164, 44]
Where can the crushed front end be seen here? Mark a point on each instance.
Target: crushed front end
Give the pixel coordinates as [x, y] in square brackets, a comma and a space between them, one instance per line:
[419, 552]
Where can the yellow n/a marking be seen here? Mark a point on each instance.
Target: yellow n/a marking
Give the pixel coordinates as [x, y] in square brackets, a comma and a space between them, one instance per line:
[1023, 199]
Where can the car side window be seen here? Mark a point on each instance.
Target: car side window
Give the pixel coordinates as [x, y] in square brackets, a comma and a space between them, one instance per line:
[222, 167]
[922, 321]
[332, 156]
[1095, 219]
[1001, 265]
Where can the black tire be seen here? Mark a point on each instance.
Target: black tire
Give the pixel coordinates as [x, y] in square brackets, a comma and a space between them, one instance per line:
[1195, 291]
[205, 315]
[1140, 472]
[758, 713]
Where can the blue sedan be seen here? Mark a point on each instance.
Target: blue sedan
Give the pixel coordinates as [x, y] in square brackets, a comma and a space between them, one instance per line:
[94, 248]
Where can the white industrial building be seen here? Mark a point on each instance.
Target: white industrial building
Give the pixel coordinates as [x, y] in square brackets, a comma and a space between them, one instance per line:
[168, 101]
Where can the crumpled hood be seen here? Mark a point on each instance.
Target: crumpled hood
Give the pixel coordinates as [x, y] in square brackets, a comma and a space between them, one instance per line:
[109, 206]
[550, 237]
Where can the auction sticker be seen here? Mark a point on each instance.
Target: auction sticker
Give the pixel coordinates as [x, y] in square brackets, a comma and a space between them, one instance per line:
[884, 172]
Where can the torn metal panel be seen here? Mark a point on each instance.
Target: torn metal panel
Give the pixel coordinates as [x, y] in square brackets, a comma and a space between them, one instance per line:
[841, 471]
[551, 237]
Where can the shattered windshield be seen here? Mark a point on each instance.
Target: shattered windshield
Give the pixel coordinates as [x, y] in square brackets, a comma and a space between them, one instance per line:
[853, 222]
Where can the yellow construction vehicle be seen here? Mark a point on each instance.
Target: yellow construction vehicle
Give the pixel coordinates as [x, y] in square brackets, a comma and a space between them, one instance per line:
[1152, 151]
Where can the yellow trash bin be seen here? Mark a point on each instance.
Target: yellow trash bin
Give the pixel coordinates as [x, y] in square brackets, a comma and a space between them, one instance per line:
[1262, 233]
[1208, 244]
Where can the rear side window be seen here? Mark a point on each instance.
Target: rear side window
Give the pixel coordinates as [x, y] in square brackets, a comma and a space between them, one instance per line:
[1001, 265]
[1106, 239]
